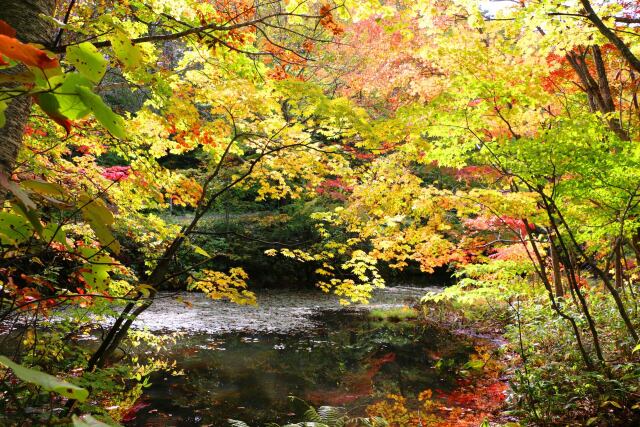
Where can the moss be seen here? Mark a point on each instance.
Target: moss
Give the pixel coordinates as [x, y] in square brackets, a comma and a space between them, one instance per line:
[397, 314]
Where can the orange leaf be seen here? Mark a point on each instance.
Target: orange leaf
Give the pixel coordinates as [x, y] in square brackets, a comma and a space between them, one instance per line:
[7, 29]
[25, 53]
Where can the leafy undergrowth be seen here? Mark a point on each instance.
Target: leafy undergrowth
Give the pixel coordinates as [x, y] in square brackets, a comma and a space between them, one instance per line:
[548, 381]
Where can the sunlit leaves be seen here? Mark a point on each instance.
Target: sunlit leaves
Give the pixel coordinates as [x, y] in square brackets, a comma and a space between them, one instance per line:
[45, 188]
[220, 285]
[87, 60]
[96, 268]
[14, 229]
[65, 100]
[127, 53]
[107, 118]
[100, 218]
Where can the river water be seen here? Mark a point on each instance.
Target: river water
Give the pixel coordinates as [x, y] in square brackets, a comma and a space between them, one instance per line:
[243, 362]
[277, 311]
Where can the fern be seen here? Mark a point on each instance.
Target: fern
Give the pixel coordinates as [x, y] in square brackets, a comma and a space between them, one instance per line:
[369, 422]
[312, 415]
[306, 424]
[332, 416]
[324, 416]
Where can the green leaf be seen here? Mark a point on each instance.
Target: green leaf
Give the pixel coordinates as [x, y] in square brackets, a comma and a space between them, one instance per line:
[71, 104]
[14, 229]
[53, 194]
[89, 421]
[15, 189]
[612, 403]
[3, 107]
[88, 60]
[44, 78]
[99, 218]
[145, 290]
[105, 237]
[44, 188]
[127, 53]
[475, 364]
[96, 210]
[107, 118]
[96, 270]
[53, 232]
[200, 251]
[49, 103]
[46, 381]
[30, 215]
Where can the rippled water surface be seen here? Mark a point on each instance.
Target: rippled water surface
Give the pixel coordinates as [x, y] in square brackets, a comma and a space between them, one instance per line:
[277, 311]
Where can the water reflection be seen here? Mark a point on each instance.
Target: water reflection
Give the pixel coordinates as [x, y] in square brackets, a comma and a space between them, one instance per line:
[344, 359]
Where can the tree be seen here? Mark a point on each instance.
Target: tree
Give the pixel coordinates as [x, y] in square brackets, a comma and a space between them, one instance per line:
[210, 88]
[25, 16]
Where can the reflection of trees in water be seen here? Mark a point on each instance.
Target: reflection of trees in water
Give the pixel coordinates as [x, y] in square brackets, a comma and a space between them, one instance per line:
[344, 362]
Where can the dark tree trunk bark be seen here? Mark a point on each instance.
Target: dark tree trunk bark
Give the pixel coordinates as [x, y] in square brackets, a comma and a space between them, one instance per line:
[23, 15]
[542, 274]
[598, 91]
[618, 264]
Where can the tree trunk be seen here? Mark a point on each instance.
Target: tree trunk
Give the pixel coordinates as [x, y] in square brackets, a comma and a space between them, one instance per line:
[598, 91]
[555, 263]
[618, 264]
[23, 15]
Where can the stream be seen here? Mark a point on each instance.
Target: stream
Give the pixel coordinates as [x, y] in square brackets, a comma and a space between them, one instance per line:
[243, 362]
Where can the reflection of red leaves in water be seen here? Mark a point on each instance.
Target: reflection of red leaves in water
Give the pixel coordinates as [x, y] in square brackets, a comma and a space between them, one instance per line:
[466, 406]
[356, 385]
[472, 402]
[476, 398]
[131, 414]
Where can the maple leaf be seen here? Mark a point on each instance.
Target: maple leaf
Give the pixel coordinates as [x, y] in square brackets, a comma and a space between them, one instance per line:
[26, 53]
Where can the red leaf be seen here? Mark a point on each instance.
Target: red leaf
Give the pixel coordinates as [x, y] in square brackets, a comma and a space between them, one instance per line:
[25, 53]
[131, 414]
[64, 122]
[7, 29]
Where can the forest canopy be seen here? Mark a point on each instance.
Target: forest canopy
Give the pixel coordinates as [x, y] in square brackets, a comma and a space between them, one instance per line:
[353, 144]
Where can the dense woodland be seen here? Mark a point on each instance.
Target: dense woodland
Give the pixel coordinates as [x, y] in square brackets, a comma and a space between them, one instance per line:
[150, 148]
